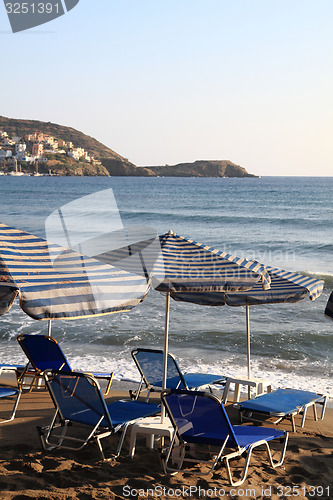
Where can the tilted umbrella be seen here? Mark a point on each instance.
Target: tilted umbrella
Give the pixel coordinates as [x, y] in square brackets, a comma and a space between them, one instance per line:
[188, 268]
[284, 286]
[55, 282]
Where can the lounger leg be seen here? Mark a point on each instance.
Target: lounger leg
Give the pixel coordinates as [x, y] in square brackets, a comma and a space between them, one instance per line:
[23, 376]
[132, 443]
[139, 389]
[100, 448]
[245, 468]
[249, 391]
[259, 389]
[283, 452]
[304, 415]
[226, 391]
[49, 429]
[15, 406]
[248, 457]
[16, 402]
[175, 459]
[99, 444]
[176, 453]
[122, 438]
[46, 439]
[324, 403]
[237, 392]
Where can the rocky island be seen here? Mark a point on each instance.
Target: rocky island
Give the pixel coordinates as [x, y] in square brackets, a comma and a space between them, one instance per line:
[202, 168]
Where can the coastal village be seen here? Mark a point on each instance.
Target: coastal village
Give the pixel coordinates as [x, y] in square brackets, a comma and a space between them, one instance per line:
[24, 155]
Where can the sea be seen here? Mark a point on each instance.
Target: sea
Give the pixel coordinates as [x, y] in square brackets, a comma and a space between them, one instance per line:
[286, 222]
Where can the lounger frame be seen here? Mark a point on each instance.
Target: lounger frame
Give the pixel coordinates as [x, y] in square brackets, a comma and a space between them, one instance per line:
[54, 359]
[175, 378]
[181, 448]
[83, 392]
[248, 412]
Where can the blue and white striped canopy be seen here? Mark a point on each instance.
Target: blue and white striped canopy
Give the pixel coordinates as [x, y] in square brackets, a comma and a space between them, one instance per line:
[185, 267]
[285, 286]
[54, 282]
[201, 275]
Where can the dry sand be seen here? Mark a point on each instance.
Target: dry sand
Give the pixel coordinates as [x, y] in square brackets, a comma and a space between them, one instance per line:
[29, 472]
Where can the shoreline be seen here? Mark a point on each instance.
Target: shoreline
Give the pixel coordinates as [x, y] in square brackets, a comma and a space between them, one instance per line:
[96, 357]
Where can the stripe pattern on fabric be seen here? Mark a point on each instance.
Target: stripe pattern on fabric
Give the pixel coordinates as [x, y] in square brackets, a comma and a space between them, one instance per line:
[285, 287]
[185, 265]
[54, 282]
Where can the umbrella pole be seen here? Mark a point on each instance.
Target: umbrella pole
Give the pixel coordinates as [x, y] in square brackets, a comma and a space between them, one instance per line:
[248, 341]
[165, 350]
[49, 329]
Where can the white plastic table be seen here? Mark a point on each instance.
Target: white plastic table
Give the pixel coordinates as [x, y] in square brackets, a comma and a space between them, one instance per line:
[150, 426]
[257, 383]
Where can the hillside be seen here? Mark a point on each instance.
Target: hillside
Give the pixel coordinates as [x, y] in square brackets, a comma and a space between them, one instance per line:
[110, 162]
[65, 165]
[23, 127]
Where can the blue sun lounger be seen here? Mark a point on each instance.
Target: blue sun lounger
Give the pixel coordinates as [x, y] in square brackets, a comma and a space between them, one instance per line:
[200, 419]
[44, 353]
[9, 389]
[283, 403]
[150, 365]
[82, 414]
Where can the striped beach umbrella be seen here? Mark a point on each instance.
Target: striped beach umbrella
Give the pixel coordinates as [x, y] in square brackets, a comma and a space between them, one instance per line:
[329, 307]
[201, 275]
[187, 267]
[55, 282]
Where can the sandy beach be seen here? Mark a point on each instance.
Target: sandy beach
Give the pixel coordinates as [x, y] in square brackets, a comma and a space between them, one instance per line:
[29, 472]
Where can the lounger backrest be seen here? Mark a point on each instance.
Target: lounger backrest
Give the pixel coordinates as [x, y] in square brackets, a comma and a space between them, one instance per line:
[198, 415]
[150, 365]
[78, 398]
[43, 352]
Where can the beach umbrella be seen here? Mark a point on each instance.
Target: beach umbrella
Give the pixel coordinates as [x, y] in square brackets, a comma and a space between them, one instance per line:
[329, 307]
[185, 266]
[55, 282]
[284, 286]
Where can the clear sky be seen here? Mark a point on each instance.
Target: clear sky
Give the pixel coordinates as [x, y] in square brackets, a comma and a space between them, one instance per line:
[169, 81]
